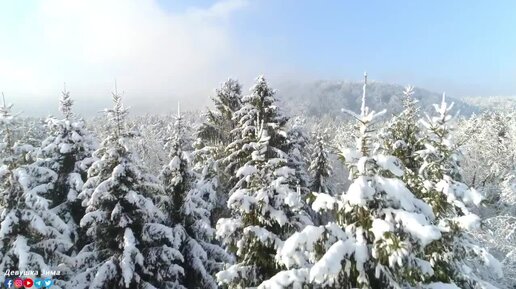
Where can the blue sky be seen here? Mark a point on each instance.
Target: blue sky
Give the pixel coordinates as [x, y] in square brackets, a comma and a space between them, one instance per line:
[468, 47]
[182, 49]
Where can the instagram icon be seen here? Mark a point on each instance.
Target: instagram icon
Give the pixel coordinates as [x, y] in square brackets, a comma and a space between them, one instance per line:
[18, 283]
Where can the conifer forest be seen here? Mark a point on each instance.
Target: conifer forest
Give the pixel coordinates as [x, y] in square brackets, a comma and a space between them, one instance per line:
[257, 144]
[243, 195]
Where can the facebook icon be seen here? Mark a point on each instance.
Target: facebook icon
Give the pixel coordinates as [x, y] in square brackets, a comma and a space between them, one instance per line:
[8, 283]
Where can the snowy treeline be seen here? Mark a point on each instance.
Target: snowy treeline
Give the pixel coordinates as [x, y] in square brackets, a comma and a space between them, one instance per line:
[247, 197]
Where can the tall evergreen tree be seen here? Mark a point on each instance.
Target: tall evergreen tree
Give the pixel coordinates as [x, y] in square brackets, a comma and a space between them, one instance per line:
[8, 127]
[297, 143]
[176, 176]
[220, 122]
[403, 138]
[264, 208]
[13, 149]
[32, 237]
[430, 160]
[68, 152]
[320, 167]
[402, 135]
[131, 248]
[190, 198]
[452, 202]
[214, 134]
[258, 112]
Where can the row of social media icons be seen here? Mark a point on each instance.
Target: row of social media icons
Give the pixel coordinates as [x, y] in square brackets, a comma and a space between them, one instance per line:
[28, 283]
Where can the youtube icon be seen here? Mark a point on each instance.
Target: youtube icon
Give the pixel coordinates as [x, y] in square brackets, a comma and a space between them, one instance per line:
[28, 283]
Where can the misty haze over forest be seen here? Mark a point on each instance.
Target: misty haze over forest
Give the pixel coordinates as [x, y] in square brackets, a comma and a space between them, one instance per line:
[164, 51]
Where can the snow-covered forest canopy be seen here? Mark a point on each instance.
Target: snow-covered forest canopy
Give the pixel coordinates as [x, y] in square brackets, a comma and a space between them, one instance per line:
[335, 185]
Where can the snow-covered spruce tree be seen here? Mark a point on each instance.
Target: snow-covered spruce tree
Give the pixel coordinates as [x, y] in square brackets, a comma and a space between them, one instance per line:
[190, 198]
[426, 150]
[265, 209]
[404, 138]
[321, 172]
[200, 207]
[210, 175]
[380, 232]
[176, 176]
[320, 166]
[220, 122]
[298, 142]
[457, 256]
[297, 151]
[13, 149]
[207, 171]
[32, 237]
[8, 128]
[402, 135]
[131, 247]
[259, 109]
[439, 159]
[215, 133]
[67, 151]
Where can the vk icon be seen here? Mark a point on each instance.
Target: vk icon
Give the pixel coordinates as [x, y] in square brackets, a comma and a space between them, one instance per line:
[8, 283]
[38, 283]
[48, 282]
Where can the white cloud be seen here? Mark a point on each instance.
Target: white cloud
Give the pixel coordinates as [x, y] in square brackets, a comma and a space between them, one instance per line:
[151, 52]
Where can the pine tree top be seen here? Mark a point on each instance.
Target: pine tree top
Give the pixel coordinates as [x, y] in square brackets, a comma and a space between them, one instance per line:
[117, 114]
[5, 109]
[65, 104]
[365, 120]
[227, 98]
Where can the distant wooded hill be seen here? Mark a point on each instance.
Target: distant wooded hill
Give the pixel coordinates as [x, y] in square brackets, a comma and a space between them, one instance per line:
[329, 97]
